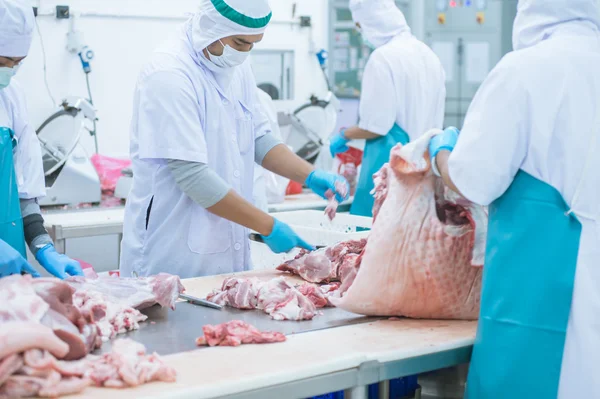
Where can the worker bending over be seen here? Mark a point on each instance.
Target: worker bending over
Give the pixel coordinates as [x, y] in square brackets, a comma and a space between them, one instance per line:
[197, 130]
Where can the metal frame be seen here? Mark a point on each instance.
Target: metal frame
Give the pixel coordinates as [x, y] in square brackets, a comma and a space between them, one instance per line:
[355, 382]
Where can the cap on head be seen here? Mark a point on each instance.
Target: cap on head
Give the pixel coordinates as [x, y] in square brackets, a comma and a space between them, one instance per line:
[218, 19]
[538, 19]
[16, 27]
[380, 20]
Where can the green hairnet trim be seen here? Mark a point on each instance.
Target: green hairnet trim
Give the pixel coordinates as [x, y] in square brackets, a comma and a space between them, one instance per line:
[254, 23]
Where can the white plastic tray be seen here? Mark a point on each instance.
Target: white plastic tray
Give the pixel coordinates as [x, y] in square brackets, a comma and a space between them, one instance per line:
[315, 228]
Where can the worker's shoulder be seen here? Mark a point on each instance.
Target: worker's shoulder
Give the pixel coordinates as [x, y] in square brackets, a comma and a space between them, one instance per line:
[168, 70]
[13, 95]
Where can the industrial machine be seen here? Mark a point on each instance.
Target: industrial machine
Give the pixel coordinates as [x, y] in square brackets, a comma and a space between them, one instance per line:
[71, 178]
[312, 123]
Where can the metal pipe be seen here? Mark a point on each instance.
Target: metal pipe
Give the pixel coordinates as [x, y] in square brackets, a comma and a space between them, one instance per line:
[360, 392]
[185, 17]
[384, 390]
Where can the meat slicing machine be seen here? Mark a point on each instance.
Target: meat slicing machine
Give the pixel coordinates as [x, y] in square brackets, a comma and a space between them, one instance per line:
[70, 176]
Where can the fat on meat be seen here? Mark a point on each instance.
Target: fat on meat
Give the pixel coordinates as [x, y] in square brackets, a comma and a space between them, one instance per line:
[276, 297]
[138, 293]
[323, 265]
[235, 333]
[425, 240]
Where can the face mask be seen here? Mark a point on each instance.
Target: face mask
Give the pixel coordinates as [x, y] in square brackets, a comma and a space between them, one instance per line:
[366, 41]
[230, 58]
[6, 75]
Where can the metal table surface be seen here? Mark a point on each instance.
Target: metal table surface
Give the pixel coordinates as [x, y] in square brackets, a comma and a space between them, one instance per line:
[168, 332]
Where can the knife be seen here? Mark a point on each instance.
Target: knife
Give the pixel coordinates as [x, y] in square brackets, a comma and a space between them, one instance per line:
[201, 302]
[258, 238]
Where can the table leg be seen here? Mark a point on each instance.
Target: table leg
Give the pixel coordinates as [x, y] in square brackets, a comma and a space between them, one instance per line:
[60, 245]
[360, 392]
[384, 390]
[119, 240]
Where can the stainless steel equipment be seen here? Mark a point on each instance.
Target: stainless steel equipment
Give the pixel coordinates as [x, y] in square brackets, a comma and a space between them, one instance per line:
[170, 332]
[70, 176]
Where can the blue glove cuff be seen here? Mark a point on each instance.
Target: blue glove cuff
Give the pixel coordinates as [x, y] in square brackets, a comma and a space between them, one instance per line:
[444, 141]
[40, 254]
[343, 135]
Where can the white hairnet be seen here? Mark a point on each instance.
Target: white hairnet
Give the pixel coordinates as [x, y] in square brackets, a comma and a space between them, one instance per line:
[16, 27]
[538, 19]
[218, 19]
[380, 20]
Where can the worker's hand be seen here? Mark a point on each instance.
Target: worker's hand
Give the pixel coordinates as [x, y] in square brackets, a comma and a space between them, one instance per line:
[12, 262]
[284, 239]
[320, 182]
[444, 141]
[337, 143]
[58, 265]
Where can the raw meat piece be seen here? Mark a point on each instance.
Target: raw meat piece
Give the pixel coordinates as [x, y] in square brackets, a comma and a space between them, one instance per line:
[19, 301]
[322, 265]
[332, 202]
[314, 294]
[283, 302]
[18, 336]
[138, 293]
[9, 365]
[235, 333]
[79, 346]
[419, 259]
[275, 297]
[347, 272]
[237, 292]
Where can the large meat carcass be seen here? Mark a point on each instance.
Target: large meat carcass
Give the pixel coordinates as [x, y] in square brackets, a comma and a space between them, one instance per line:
[426, 241]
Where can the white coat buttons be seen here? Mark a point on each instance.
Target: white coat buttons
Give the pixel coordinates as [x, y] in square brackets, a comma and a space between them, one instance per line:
[236, 173]
[237, 246]
[225, 102]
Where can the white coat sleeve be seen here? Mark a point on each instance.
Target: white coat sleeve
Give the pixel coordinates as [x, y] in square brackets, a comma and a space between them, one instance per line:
[494, 139]
[28, 160]
[378, 102]
[169, 119]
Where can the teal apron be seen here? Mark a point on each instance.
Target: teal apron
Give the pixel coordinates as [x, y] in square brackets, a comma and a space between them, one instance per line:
[528, 279]
[11, 222]
[376, 154]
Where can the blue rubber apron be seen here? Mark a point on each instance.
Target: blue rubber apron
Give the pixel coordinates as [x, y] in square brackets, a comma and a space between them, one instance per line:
[376, 154]
[528, 278]
[11, 222]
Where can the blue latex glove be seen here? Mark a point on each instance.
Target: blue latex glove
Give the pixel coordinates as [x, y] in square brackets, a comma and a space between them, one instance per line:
[337, 144]
[11, 262]
[445, 141]
[284, 239]
[58, 265]
[320, 181]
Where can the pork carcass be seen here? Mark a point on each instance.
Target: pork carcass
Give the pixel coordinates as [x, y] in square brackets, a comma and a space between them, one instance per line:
[425, 242]
[323, 265]
[235, 333]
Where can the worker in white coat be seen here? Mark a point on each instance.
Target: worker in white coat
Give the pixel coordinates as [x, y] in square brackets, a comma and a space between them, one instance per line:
[403, 92]
[529, 150]
[197, 130]
[21, 170]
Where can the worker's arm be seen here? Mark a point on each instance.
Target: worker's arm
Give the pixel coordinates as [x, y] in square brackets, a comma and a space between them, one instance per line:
[40, 243]
[356, 133]
[441, 161]
[205, 187]
[282, 161]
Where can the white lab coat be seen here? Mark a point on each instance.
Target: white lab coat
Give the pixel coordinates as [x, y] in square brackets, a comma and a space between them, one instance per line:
[182, 112]
[404, 81]
[260, 174]
[538, 111]
[27, 155]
